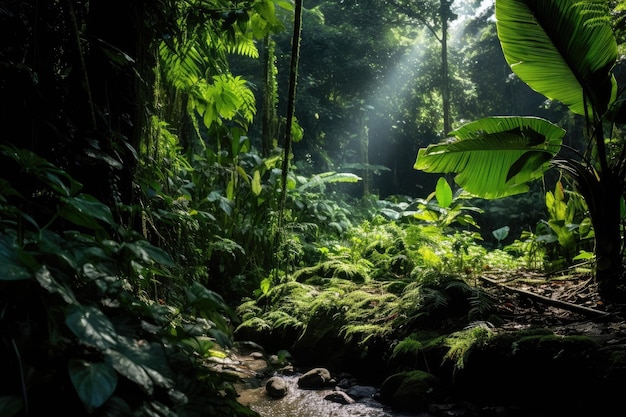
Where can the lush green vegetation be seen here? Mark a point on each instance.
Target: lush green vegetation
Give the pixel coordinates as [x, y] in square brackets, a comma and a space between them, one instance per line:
[150, 216]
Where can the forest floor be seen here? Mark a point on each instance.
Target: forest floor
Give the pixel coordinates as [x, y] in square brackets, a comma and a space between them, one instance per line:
[568, 304]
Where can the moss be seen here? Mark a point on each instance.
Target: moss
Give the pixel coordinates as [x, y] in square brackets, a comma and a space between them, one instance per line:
[407, 350]
[617, 357]
[395, 287]
[410, 391]
[554, 348]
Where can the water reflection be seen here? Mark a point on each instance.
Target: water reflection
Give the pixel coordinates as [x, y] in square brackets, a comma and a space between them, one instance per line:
[311, 403]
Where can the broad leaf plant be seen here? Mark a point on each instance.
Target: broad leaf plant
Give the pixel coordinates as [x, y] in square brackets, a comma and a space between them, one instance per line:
[565, 50]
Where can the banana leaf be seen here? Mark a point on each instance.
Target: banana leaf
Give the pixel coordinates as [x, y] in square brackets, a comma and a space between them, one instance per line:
[563, 49]
[496, 156]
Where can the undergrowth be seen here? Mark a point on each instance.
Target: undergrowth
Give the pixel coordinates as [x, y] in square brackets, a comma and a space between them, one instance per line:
[382, 281]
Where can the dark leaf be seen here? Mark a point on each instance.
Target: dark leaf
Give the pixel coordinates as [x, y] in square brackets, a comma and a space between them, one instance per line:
[94, 382]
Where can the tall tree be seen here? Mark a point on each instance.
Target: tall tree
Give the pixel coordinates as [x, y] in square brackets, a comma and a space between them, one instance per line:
[435, 15]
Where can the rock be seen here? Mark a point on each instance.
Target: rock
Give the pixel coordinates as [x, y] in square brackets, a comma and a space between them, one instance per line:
[361, 391]
[316, 378]
[276, 387]
[339, 397]
[410, 391]
[287, 370]
[274, 361]
[248, 347]
[345, 383]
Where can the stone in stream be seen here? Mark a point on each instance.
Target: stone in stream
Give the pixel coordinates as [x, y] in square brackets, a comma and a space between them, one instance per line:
[361, 391]
[276, 387]
[339, 397]
[410, 391]
[316, 378]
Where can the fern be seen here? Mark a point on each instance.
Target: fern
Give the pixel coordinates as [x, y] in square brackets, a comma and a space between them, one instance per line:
[357, 272]
[364, 307]
[248, 310]
[409, 346]
[256, 323]
[482, 304]
[420, 299]
[245, 47]
[460, 343]
[364, 332]
[281, 319]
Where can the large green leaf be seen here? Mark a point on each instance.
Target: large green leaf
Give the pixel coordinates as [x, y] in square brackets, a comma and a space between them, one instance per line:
[91, 326]
[141, 362]
[563, 49]
[11, 266]
[496, 156]
[94, 382]
[443, 193]
[10, 405]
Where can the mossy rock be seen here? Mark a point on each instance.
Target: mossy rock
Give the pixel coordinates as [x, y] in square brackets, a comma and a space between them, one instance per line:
[411, 391]
[533, 368]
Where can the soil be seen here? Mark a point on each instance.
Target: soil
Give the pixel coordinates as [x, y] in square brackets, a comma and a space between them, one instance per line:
[567, 379]
[565, 303]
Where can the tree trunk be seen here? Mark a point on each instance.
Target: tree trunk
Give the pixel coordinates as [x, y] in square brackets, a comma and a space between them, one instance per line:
[365, 158]
[269, 97]
[293, 78]
[445, 87]
[605, 211]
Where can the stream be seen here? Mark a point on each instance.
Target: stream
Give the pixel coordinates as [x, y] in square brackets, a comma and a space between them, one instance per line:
[254, 370]
[311, 403]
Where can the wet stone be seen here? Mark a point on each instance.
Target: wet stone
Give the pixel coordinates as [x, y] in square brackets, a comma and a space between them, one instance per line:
[339, 397]
[361, 391]
[316, 378]
[276, 387]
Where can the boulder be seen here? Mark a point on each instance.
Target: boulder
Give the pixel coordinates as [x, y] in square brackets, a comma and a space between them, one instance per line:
[276, 387]
[361, 391]
[410, 391]
[316, 378]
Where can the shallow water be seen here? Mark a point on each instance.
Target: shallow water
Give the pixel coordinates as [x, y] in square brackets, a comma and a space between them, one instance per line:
[311, 403]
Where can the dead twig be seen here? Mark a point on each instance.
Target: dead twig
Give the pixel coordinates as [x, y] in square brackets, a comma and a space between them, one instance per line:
[586, 311]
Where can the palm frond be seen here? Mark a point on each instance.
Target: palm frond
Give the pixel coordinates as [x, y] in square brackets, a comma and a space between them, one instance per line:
[496, 156]
[563, 49]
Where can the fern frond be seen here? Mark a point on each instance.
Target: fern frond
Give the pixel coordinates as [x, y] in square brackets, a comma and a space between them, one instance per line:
[409, 346]
[256, 323]
[358, 272]
[245, 47]
[364, 332]
[280, 319]
[460, 343]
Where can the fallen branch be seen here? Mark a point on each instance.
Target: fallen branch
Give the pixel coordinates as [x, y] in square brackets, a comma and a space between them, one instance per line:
[588, 312]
